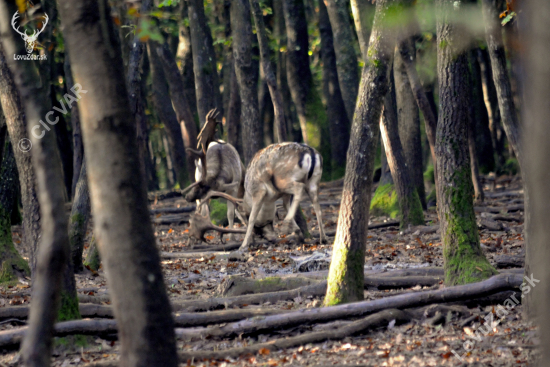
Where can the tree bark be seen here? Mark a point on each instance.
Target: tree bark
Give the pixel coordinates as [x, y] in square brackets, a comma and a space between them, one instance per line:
[119, 202]
[233, 124]
[338, 121]
[363, 13]
[3, 134]
[535, 54]
[474, 113]
[241, 28]
[17, 130]
[11, 263]
[184, 55]
[78, 221]
[181, 106]
[204, 61]
[346, 59]
[409, 124]
[269, 73]
[300, 81]
[345, 280]
[166, 114]
[464, 261]
[409, 202]
[53, 251]
[493, 34]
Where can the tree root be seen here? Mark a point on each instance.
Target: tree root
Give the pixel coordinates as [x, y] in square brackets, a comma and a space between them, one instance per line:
[86, 310]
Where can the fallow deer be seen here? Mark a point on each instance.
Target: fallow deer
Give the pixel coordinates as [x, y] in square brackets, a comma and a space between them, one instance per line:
[218, 167]
[287, 171]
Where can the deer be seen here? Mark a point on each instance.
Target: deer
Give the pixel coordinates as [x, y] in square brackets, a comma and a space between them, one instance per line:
[218, 167]
[30, 40]
[285, 170]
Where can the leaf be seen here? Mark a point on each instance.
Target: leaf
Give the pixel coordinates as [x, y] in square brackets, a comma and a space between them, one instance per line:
[170, 230]
[116, 20]
[264, 351]
[21, 5]
[508, 18]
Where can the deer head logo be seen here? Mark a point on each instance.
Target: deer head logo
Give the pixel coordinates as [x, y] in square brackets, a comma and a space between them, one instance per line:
[30, 40]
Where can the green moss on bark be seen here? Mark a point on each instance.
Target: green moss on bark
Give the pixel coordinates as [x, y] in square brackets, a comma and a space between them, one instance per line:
[343, 261]
[385, 202]
[464, 261]
[92, 259]
[9, 256]
[68, 309]
[416, 215]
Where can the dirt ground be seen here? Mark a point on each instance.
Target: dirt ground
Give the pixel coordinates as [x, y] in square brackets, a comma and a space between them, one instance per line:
[512, 342]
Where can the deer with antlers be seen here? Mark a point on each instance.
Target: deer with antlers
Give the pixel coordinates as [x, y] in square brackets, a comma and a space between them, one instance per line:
[30, 40]
[287, 171]
[219, 168]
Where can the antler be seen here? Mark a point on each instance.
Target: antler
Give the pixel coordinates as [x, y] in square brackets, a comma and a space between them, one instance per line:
[13, 19]
[43, 25]
[212, 194]
[206, 136]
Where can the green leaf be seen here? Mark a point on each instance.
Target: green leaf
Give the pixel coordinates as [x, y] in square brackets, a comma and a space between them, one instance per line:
[508, 18]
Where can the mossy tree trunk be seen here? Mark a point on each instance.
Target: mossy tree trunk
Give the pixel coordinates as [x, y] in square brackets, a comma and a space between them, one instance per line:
[93, 260]
[346, 58]
[409, 124]
[166, 114]
[247, 77]
[204, 61]
[337, 117]
[78, 221]
[410, 206]
[464, 261]
[53, 251]
[17, 130]
[345, 279]
[269, 73]
[117, 190]
[11, 263]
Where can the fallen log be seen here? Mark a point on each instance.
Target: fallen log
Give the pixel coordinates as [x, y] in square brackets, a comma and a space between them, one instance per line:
[507, 261]
[498, 283]
[86, 310]
[185, 209]
[375, 321]
[172, 219]
[237, 286]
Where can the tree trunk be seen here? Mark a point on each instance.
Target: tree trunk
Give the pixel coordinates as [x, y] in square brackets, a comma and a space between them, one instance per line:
[92, 258]
[464, 261]
[345, 280]
[269, 74]
[166, 114]
[78, 148]
[53, 252]
[300, 80]
[535, 54]
[409, 124]
[233, 124]
[241, 28]
[78, 221]
[184, 55]
[336, 110]
[493, 33]
[363, 12]
[3, 134]
[181, 106]
[407, 194]
[11, 263]
[17, 130]
[204, 62]
[119, 202]
[346, 59]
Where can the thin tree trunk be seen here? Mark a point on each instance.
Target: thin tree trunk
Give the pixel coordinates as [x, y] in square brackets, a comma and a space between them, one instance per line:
[363, 12]
[53, 252]
[11, 263]
[166, 114]
[92, 258]
[78, 148]
[181, 105]
[409, 124]
[346, 59]
[336, 110]
[269, 74]
[3, 134]
[17, 130]
[119, 202]
[409, 202]
[535, 55]
[345, 279]
[493, 33]
[204, 61]
[464, 262]
[233, 123]
[248, 80]
[474, 103]
[184, 55]
[78, 221]
[479, 196]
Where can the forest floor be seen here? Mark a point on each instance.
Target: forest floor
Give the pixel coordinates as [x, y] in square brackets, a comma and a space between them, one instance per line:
[200, 276]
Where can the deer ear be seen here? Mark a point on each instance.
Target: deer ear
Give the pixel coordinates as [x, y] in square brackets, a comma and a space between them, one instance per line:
[196, 153]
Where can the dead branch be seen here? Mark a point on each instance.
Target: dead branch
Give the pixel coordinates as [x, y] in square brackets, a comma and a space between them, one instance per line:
[508, 261]
[375, 321]
[185, 209]
[237, 286]
[86, 310]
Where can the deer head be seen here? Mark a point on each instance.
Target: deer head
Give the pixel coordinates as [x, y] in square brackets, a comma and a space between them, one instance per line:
[30, 40]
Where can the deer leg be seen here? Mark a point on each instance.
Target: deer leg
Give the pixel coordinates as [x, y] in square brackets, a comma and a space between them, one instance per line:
[230, 218]
[289, 222]
[314, 196]
[256, 206]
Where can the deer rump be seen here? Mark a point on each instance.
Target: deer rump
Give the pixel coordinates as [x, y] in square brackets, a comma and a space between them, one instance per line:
[287, 171]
